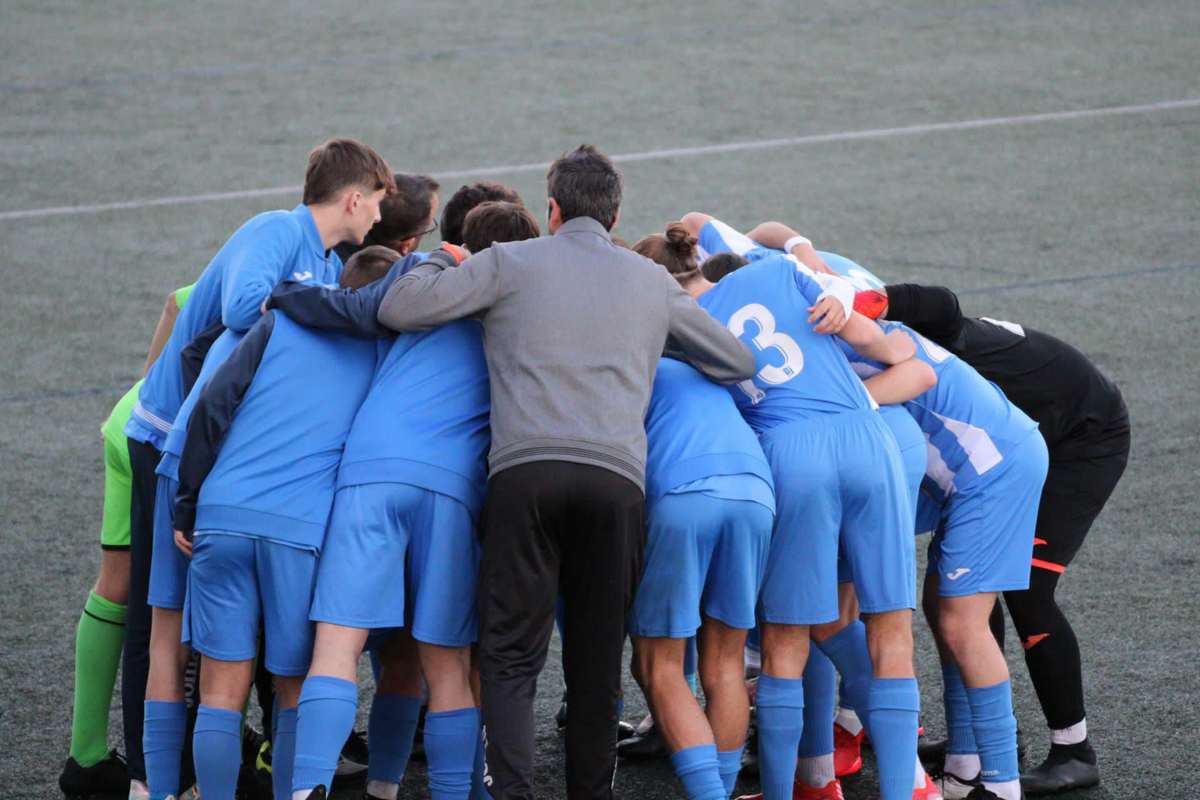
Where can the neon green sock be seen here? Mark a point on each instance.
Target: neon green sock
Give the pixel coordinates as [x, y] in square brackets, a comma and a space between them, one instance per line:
[98, 642]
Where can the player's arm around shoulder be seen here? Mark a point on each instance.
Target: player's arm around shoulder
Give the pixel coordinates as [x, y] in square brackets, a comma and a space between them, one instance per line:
[870, 341]
[258, 259]
[694, 336]
[901, 382]
[440, 289]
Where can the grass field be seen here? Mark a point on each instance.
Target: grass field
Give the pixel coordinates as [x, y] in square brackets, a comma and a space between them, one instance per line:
[1082, 224]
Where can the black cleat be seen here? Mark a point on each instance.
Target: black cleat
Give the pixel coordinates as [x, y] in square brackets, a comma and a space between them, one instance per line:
[318, 793]
[560, 718]
[932, 752]
[1068, 766]
[109, 775]
[646, 745]
[955, 787]
[981, 792]
[625, 730]
[352, 762]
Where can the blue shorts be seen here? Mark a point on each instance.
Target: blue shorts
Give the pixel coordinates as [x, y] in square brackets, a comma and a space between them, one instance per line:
[839, 486]
[717, 237]
[237, 582]
[400, 556]
[984, 541]
[702, 552]
[168, 566]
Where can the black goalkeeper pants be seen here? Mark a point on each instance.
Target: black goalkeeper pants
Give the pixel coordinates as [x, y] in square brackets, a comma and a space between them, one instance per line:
[552, 527]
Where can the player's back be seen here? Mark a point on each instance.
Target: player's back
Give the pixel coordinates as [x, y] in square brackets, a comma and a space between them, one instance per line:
[694, 431]
[425, 418]
[801, 373]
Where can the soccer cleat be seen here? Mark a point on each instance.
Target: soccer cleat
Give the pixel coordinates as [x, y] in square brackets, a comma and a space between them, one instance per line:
[932, 752]
[954, 787]
[927, 792]
[109, 775]
[646, 743]
[1067, 767]
[847, 751]
[981, 792]
[802, 791]
[352, 763]
[318, 793]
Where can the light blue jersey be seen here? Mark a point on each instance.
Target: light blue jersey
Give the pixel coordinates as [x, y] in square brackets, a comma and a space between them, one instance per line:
[801, 373]
[968, 422]
[267, 249]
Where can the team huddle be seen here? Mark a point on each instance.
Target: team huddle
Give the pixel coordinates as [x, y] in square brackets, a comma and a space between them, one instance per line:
[721, 445]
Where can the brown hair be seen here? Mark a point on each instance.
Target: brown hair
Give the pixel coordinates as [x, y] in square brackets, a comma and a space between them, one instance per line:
[454, 213]
[340, 163]
[367, 266]
[719, 265]
[403, 215]
[585, 183]
[498, 221]
[676, 251]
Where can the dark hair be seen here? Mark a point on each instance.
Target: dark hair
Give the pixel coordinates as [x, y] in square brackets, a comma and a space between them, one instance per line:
[585, 183]
[716, 267]
[403, 215]
[466, 198]
[676, 251]
[497, 221]
[340, 163]
[367, 266]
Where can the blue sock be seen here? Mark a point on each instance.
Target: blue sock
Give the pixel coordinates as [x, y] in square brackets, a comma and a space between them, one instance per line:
[780, 708]
[325, 720]
[690, 656]
[217, 751]
[451, 739]
[847, 649]
[390, 730]
[729, 762]
[283, 752]
[478, 787]
[698, 769]
[819, 689]
[163, 731]
[960, 735]
[894, 705]
[995, 732]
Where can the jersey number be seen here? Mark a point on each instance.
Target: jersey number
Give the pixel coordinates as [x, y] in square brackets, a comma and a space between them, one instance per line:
[767, 338]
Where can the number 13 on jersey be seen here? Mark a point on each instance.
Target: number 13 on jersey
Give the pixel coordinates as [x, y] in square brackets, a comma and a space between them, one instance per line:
[767, 338]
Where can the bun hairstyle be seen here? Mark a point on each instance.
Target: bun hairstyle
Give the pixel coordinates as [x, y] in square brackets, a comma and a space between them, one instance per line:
[676, 251]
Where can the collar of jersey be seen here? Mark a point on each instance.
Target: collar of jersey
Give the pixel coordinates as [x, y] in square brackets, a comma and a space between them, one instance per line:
[309, 226]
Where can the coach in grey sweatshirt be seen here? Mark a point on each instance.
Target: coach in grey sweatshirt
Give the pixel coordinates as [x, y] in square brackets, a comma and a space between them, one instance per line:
[574, 326]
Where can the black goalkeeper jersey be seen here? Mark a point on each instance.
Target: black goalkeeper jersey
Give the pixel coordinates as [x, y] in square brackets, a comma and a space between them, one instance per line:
[1080, 412]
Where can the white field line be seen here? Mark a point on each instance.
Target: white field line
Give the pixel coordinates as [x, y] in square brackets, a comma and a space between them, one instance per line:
[648, 155]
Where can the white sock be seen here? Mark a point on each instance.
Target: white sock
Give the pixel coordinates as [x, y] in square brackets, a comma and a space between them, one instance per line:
[816, 771]
[385, 789]
[919, 775]
[848, 719]
[1009, 790]
[964, 765]
[301, 794]
[753, 659]
[1072, 735]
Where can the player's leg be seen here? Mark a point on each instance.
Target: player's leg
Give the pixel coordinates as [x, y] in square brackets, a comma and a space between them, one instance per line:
[135, 659]
[1073, 496]
[217, 741]
[442, 574]
[395, 712]
[727, 705]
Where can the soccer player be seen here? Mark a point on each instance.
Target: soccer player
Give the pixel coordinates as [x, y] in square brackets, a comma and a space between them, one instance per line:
[1085, 424]
[987, 464]
[91, 768]
[467, 197]
[710, 507]
[574, 326]
[404, 217]
[344, 183]
[256, 483]
[808, 407]
[402, 550]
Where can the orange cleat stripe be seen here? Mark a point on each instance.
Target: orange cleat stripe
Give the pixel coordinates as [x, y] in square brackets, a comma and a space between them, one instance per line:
[1032, 640]
[1050, 565]
[1037, 541]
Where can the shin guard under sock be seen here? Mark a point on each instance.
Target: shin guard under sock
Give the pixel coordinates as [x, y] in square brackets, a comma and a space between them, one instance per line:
[163, 731]
[894, 705]
[819, 697]
[98, 642]
[780, 710]
[217, 750]
[995, 733]
[283, 752]
[323, 723]
[451, 739]
[847, 649]
[729, 762]
[959, 731]
[700, 772]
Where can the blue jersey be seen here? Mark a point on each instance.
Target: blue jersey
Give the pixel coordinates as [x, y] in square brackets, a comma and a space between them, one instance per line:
[694, 431]
[968, 422]
[800, 372]
[266, 437]
[425, 419]
[269, 248]
[168, 465]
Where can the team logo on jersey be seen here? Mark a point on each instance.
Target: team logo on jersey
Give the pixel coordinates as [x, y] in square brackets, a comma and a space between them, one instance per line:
[958, 573]
[301, 276]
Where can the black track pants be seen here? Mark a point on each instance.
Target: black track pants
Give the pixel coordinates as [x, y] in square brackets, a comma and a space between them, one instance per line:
[552, 527]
